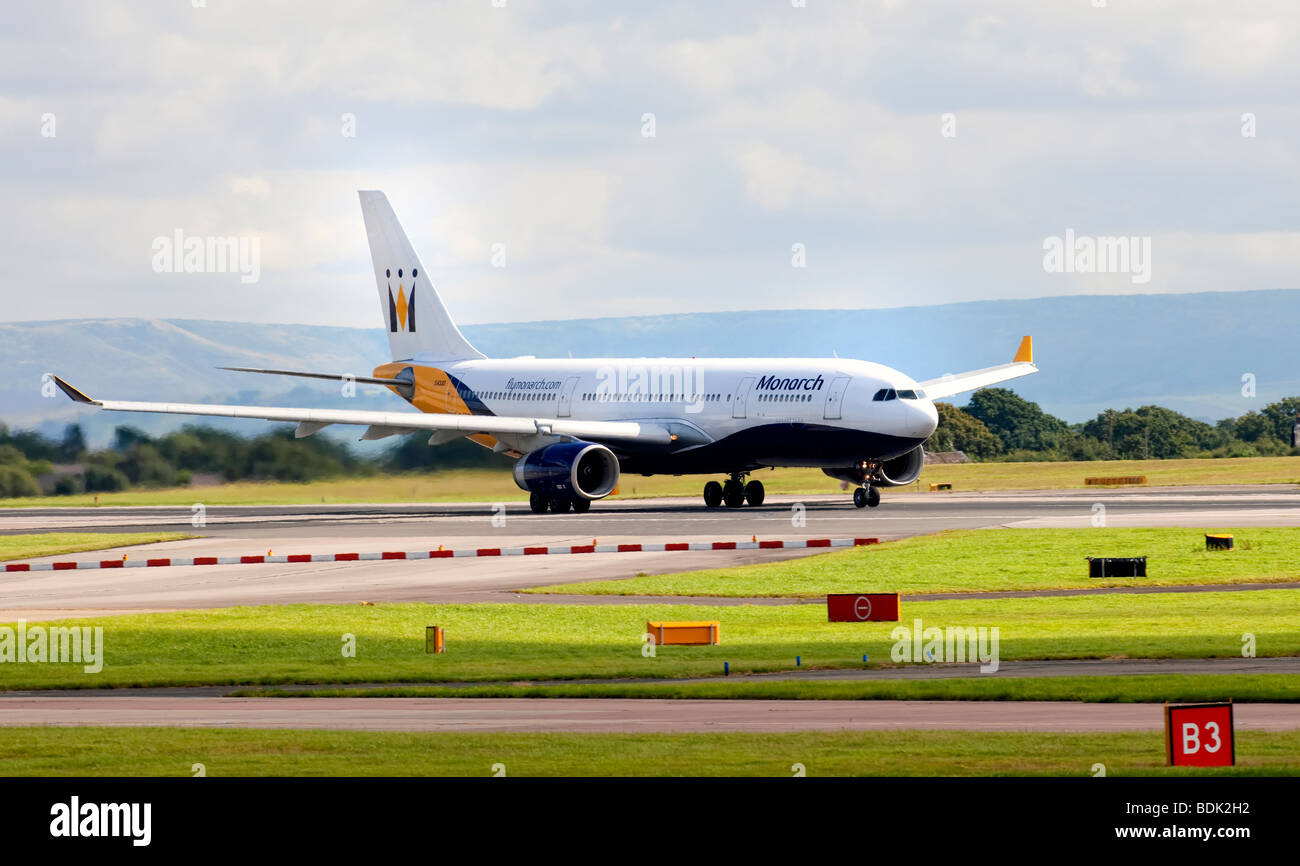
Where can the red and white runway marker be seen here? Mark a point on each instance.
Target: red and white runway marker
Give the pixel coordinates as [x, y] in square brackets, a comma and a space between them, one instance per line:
[406, 555]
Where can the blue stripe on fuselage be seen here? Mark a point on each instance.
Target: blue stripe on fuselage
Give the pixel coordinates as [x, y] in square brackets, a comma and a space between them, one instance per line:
[471, 398]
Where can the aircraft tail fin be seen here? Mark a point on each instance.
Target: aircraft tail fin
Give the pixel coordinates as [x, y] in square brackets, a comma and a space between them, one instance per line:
[417, 321]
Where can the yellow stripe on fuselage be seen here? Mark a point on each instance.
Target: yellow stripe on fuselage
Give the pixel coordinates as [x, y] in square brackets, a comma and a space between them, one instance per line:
[434, 393]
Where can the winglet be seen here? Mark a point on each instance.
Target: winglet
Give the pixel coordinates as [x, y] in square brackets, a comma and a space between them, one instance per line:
[73, 392]
[1025, 354]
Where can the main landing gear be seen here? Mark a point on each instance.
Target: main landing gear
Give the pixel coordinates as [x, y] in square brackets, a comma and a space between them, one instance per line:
[866, 496]
[541, 504]
[734, 492]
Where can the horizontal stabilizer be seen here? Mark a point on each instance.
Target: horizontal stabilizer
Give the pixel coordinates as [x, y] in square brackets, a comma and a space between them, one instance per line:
[399, 384]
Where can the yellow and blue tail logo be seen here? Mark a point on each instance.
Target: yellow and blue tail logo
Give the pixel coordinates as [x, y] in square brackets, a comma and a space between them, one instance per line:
[401, 309]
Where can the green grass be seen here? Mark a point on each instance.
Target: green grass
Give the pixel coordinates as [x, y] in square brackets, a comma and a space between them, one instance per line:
[51, 543]
[1137, 688]
[985, 560]
[47, 751]
[495, 485]
[302, 643]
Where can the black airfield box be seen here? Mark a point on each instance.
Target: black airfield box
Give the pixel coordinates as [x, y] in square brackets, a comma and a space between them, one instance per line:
[1218, 542]
[1117, 566]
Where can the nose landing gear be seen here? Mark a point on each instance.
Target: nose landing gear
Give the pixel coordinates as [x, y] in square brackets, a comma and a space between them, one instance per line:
[864, 475]
[734, 493]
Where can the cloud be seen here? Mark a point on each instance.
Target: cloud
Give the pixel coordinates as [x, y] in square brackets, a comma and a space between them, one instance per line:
[521, 125]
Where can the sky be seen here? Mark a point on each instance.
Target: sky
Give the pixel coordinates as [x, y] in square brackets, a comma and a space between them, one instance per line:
[557, 160]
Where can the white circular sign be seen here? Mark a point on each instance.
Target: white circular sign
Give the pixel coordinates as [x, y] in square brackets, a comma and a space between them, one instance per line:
[862, 607]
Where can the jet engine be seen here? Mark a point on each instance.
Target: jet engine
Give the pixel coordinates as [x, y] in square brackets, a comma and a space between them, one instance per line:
[568, 470]
[903, 469]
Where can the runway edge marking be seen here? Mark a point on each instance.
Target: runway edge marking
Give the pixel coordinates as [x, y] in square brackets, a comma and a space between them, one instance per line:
[406, 555]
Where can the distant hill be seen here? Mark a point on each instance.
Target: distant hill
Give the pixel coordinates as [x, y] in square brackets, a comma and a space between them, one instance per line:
[1185, 352]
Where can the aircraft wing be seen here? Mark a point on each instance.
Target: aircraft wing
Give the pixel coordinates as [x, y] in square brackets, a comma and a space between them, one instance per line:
[1021, 365]
[380, 424]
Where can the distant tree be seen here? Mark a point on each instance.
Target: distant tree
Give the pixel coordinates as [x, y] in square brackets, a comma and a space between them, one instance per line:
[125, 437]
[1252, 426]
[281, 456]
[960, 431]
[37, 468]
[414, 453]
[183, 448]
[1283, 414]
[143, 465]
[204, 449]
[1150, 432]
[17, 481]
[32, 444]
[103, 479]
[1017, 423]
[11, 455]
[73, 444]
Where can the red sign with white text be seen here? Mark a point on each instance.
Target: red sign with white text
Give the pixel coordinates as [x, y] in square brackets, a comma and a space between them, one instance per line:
[1199, 735]
[863, 607]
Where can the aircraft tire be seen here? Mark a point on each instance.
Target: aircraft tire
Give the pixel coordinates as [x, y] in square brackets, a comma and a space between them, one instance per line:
[712, 494]
[733, 493]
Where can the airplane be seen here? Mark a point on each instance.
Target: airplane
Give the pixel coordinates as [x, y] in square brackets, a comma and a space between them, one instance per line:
[576, 425]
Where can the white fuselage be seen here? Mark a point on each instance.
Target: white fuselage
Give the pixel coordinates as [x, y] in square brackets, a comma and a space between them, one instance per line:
[742, 411]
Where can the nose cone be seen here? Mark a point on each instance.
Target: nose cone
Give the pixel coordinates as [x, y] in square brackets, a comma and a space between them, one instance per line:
[922, 418]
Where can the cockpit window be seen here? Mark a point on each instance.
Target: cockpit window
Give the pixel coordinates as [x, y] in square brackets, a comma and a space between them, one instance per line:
[880, 395]
[907, 395]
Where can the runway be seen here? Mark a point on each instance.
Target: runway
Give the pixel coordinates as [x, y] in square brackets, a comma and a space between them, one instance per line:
[826, 515]
[488, 715]
[235, 530]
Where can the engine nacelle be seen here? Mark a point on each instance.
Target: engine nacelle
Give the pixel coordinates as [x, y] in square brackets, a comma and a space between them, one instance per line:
[577, 470]
[903, 469]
